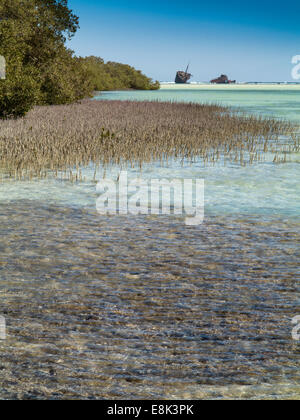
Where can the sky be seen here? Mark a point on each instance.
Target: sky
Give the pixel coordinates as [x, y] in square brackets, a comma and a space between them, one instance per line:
[248, 41]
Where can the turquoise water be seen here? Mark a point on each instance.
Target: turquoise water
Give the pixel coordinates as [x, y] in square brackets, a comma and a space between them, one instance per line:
[277, 101]
[145, 307]
[263, 188]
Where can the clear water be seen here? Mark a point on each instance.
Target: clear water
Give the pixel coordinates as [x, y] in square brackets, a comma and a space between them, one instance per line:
[144, 307]
[280, 101]
[260, 189]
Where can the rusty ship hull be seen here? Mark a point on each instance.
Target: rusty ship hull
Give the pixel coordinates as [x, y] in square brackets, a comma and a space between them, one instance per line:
[223, 80]
[183, 77]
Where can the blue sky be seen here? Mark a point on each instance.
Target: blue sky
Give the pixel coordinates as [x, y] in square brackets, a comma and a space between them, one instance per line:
[249, 41]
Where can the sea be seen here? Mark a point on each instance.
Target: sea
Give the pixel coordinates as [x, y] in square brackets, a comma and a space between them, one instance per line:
[136, 306]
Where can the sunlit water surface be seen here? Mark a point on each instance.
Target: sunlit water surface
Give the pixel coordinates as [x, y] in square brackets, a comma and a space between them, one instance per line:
[146, 307]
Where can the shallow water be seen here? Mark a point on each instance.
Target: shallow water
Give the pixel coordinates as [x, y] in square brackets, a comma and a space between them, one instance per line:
[146, 307]
[280, 101]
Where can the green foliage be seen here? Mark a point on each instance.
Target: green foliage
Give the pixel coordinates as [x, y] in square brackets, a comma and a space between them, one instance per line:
[41, 70]
[65, 80]
[114, 76]
[18, 93]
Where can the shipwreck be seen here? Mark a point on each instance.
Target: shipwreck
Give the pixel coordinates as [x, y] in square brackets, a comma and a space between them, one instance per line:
[223, 80]
[183, 76]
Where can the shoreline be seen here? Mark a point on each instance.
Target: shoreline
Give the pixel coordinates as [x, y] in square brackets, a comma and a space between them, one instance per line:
[246, 86]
